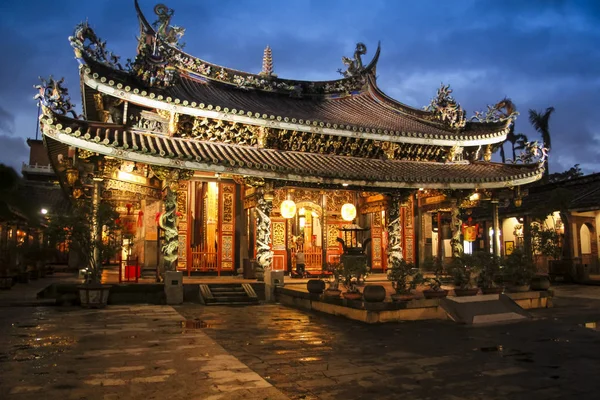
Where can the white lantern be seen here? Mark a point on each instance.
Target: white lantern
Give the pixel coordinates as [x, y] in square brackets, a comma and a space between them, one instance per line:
[288, 209]
[348, 212]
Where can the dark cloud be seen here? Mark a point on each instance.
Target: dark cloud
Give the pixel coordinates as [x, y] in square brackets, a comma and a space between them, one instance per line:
[13, 151]
[540, 53]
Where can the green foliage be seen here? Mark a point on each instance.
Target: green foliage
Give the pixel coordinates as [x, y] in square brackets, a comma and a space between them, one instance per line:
[489, 269]
[519, 268]
[545, 242]
[435, 265]
[404, 276]
[354, 268]
[464, 270]
[336, 269]
[75, 229]
[571, 173]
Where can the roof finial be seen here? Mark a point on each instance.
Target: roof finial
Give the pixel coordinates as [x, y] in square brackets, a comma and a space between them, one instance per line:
[267, 66]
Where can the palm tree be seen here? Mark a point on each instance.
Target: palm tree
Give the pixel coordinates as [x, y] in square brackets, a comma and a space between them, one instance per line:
[541, 123]
[518, 141]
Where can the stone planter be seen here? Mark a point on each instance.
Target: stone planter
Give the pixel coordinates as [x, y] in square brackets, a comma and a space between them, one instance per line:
[435, 294]
[519, 288]
[352, 295]
[492, 290]
[540, 283]
[466, 292]
[374, 293]
[94, 295]
[401, 297]
[332, 293]
[315, 286]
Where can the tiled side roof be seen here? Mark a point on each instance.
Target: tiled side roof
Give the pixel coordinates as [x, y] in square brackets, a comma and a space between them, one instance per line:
[268, 163]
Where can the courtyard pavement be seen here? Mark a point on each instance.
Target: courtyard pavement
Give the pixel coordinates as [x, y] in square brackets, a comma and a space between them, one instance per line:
[273, 352]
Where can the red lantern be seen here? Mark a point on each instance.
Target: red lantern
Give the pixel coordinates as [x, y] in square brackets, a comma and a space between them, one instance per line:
[140, 220]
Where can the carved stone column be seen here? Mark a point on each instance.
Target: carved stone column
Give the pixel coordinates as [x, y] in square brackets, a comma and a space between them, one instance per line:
[394, 230]
[96, 229]
[168, 219]
[455, 242]
[496, 228]
[264, 254]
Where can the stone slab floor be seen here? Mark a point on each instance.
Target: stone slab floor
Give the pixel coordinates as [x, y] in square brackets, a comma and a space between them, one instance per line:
[274, 352]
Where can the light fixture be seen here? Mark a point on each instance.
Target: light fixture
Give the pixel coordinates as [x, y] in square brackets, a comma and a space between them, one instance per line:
[518, 202]
[302, 211]
[348, 212]
[344, 184]
[474, 196]
[44, 211]
[288, 209]
[72, 175]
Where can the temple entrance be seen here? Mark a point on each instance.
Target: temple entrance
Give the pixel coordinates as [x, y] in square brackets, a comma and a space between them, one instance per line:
[307, 236]
[205, 228]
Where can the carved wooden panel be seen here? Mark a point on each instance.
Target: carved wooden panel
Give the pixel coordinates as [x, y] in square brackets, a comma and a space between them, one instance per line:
[408, 233]
[332, 235]
[227, 225]
[278, 235]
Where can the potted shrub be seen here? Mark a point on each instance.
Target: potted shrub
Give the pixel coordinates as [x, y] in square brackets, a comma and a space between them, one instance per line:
[435, 283]
[334, 280]
[519, 270]
[405, 278]
[75, 229]
[489, 273]
[462, 271]
[354, 266]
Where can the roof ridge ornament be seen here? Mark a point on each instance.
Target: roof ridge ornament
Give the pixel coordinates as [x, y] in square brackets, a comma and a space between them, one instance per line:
[502, 111]
[85, 41]
[169, 33]
[354, 66]
[267, 64]
[447, 110]
[53, 96]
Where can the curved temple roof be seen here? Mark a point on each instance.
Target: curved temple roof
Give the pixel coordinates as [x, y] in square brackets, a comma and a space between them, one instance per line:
[351, 106]
[115, 140]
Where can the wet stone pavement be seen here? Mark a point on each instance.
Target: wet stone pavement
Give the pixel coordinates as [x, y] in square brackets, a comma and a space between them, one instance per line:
[274, 352]
[317, 356]
[135, 352]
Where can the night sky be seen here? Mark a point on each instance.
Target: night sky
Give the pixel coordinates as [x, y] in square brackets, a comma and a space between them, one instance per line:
[539, 53]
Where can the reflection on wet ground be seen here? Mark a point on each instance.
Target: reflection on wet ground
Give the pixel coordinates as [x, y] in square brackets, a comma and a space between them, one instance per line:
[317, 356]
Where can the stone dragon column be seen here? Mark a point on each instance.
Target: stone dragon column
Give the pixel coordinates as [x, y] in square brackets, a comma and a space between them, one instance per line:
[456, 225]
[264, 254]
[394, 230]
[168, 219]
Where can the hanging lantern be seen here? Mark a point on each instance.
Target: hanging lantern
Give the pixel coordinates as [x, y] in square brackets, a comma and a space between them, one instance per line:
[348, 212]
[288, 209]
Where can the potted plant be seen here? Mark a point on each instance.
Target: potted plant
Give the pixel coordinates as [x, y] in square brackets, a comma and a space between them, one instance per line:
[519, 270]
[489, 273]
[354, 266]
[334, 280]
[405, 278]
[462, 270]
[76, 230]
[435, 283]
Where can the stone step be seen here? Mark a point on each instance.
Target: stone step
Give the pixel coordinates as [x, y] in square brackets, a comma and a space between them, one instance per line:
[226, 289]
[229, 294]
[231, 299]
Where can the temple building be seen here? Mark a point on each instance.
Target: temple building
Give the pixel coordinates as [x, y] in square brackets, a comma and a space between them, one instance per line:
[211, 166]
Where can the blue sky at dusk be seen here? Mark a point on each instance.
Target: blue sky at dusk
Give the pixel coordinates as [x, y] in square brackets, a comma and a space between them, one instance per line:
[540, 53]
